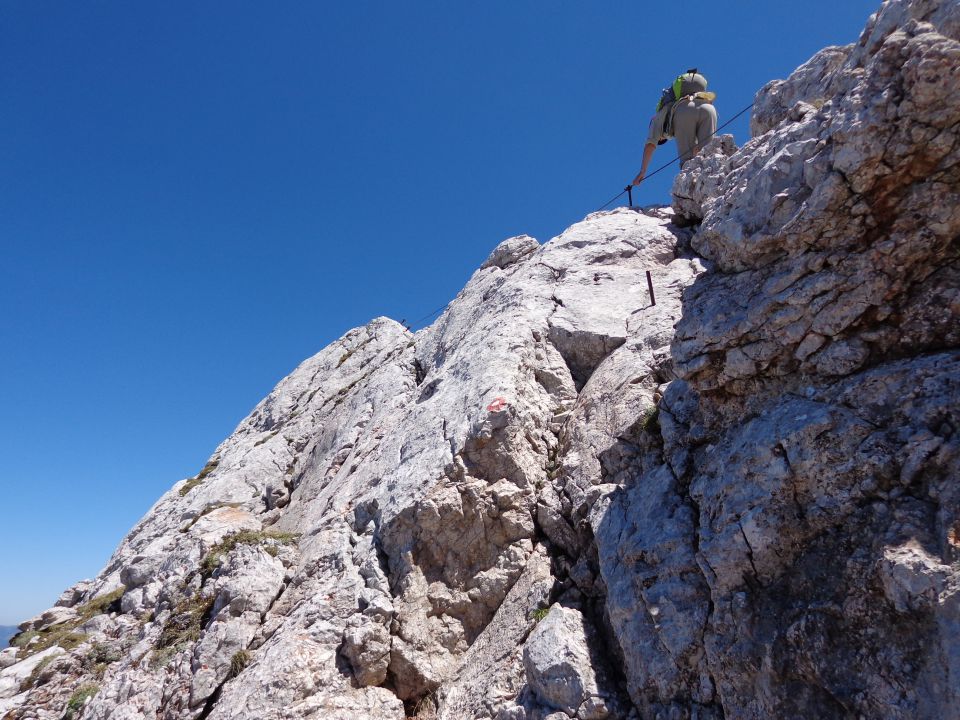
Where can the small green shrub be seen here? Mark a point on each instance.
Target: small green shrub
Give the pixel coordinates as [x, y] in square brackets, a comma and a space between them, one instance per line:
[238, 663]
[78, 700]
[540, 613]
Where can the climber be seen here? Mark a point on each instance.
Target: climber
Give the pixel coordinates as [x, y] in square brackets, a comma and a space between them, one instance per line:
[685, 112]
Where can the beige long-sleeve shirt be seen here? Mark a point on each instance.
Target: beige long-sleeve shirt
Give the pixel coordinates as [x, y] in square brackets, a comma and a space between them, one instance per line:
[655, 132]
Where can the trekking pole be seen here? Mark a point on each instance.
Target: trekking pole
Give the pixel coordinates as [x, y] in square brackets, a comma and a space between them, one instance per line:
[629, 190]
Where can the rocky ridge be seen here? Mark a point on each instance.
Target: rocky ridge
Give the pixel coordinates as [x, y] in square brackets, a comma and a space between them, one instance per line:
[563, 501]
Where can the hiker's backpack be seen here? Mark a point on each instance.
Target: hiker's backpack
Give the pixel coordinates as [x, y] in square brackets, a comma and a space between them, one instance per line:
[690, 83]
[687, 84]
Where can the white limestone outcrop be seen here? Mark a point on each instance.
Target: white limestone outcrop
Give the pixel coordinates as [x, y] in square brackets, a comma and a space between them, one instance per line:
[563, 501]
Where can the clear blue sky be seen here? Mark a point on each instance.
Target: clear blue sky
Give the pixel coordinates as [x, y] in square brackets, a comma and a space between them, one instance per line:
[194, 197]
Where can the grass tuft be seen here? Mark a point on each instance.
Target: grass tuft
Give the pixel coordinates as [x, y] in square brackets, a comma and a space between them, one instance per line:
[184, 626]
[267, 439]
[201, 476]
[207, 469]
[99, 658]
[31, 642]
[34, 676]
[238, 663]
[553, 462]
[78, 700]
[102, 604]
[540, 613]
[650, 419]
[61, 634]
[22, 639]
[245, 537]
[424, 709]
[189, 485]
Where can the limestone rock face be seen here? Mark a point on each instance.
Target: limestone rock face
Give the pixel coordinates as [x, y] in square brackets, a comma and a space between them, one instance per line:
[561, 500]
[559, 667]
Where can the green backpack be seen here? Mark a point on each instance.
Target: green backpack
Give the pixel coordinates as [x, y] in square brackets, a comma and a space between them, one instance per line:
[689, 83]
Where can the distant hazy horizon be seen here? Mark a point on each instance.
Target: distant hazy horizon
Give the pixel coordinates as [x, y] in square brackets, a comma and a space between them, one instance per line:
[7, 632]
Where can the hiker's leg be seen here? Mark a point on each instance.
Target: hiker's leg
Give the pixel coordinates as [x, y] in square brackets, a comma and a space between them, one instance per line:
[685, 130]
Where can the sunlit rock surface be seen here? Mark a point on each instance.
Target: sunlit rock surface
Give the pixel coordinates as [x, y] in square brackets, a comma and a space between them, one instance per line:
[562, 500]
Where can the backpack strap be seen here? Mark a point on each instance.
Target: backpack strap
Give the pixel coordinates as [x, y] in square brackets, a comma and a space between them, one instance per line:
[677, 86]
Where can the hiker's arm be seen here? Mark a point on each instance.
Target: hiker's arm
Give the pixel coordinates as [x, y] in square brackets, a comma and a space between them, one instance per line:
[647, 157]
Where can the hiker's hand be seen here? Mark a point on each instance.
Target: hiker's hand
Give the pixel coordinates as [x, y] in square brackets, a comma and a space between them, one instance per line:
[639, 178]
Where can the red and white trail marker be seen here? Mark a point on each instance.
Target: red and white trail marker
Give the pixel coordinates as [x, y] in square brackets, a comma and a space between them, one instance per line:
[497, 405]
